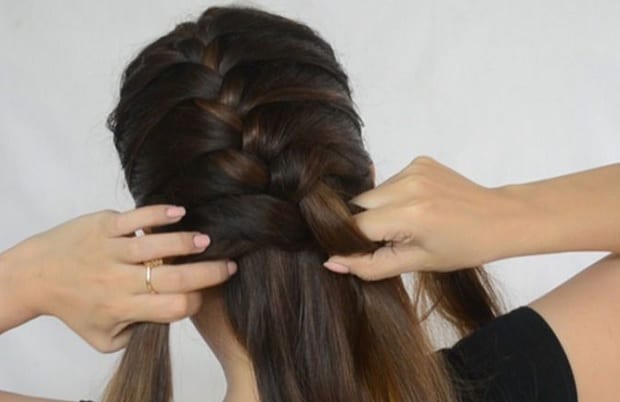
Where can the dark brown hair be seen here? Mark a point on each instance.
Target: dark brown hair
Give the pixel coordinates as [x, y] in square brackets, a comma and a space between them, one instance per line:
[246, 119]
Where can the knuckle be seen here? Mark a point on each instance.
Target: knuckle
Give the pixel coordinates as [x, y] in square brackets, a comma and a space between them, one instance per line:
[413, 210]
[119, 340]
[221, 273]
[108, 347]
[102, 344]
[106, 214]
[135, 248]
[186, 241]
[180, 243]
[417, 181]
[118, 329]
[367, 272]
[367, 275]
[422, 217]
[124, 342]
[109, 220]
[95, 343]
[412, 182]
[422, 160]
[420, 166]
[424, 265]
[180, 307]
[195, 303]
[115, 347]
[176, 278]
[403, 236]
[155, 214]
[214, 273]
[429, 214]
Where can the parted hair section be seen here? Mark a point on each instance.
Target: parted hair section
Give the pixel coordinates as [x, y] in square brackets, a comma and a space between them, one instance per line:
[246, 118]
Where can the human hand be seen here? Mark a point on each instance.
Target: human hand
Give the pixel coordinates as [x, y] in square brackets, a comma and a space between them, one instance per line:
[88, 272]
[433, 219]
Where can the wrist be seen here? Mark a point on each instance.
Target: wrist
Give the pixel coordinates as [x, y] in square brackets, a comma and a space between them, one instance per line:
[528, 225]
[17, 304]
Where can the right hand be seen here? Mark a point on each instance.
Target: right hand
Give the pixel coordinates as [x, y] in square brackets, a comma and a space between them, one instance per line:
[89, 273]
[433, 218]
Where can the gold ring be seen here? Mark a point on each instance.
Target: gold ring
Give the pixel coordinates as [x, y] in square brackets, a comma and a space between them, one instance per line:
[149, 265]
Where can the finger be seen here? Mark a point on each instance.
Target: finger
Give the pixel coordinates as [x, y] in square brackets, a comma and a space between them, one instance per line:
[166, 308]
[121, 340]
[384, 224]
[398, 175]
[384, 263]
[183, 278]
[160, 245]
[106, 342]
[378, 196]
[139, 218]
[406, 170]
[394, 192]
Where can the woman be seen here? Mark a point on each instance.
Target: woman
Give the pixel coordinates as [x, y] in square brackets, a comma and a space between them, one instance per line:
[245, 118]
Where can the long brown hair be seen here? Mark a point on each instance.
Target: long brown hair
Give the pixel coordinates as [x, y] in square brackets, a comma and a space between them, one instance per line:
[246, 119]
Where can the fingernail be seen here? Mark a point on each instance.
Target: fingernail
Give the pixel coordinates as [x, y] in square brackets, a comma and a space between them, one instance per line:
[232, 267]
[336, 267]
[175, 212]
[201, 240]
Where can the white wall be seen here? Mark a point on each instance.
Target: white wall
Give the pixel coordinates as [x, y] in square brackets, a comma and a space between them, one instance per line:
[502, 91]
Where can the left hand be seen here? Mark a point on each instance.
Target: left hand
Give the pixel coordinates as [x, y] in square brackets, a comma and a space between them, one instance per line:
[89, 273]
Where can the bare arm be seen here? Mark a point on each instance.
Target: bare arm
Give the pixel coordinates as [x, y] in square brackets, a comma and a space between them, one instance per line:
[580, 211]
[574, 212]
[439, 220]
[584, 312]
[75, 270]
[10, 397]
[435, 219]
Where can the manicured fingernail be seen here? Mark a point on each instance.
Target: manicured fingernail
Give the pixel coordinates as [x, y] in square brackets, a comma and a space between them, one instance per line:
[175, 212]
[336, 267]
[201, 240]
[232, 267]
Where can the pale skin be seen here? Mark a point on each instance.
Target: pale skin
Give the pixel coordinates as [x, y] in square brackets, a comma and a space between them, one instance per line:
[436, 219]
[439, 220]
[88, 272]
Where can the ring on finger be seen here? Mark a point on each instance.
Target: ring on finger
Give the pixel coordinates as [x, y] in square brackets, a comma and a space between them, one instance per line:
[150, 264]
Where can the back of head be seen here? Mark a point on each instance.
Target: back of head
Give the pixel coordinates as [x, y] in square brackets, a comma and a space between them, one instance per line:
[246, 119]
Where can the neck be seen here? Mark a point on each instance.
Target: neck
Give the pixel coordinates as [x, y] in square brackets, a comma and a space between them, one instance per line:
[214, 327]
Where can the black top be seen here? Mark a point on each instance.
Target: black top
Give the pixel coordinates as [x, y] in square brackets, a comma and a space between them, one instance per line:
[514, 358]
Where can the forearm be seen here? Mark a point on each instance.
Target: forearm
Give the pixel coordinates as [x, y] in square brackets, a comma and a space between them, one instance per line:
[579, 211]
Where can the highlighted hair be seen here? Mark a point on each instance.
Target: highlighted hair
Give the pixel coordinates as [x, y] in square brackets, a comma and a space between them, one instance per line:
[246, 119]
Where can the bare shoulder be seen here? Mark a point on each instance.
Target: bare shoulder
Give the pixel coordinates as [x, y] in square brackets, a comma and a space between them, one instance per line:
[584, 313]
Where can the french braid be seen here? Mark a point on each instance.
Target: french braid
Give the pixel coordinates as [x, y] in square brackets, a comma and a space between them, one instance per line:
[246, 119]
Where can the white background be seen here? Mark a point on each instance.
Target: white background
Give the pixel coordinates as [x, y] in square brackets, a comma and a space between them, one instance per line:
[502, 91]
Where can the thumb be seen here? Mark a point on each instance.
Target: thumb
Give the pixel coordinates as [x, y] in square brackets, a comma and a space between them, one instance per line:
[385, 262]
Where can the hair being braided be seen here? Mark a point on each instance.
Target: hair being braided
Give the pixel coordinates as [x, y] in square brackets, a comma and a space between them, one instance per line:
[246, 119]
